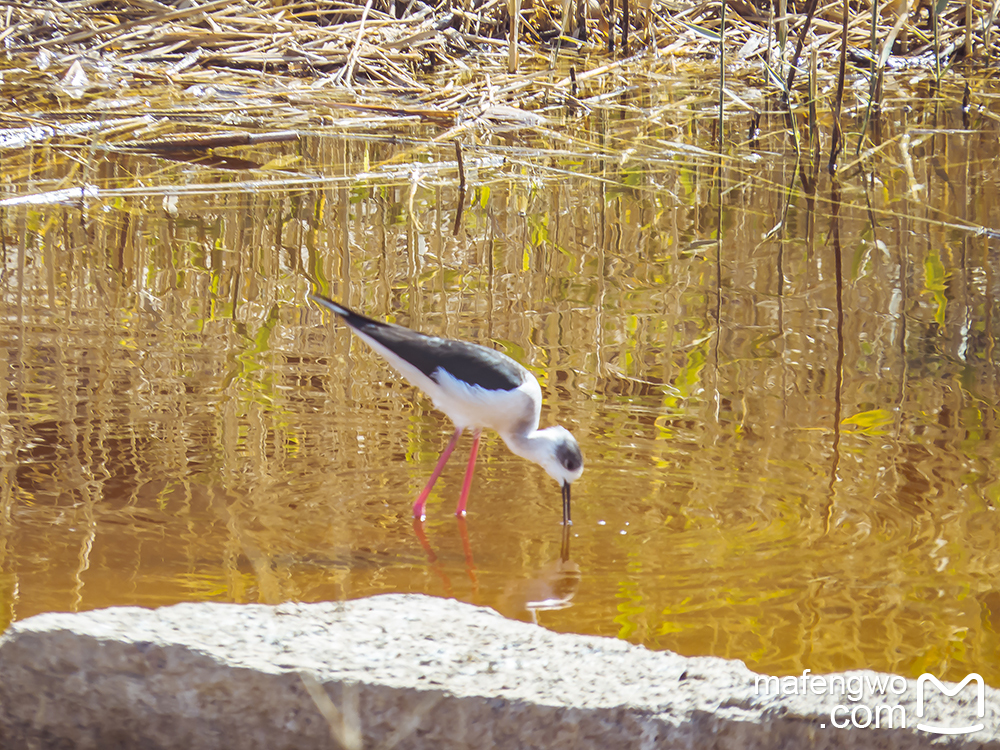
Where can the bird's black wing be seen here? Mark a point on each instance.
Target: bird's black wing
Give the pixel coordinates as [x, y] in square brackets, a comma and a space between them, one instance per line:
[470, 363]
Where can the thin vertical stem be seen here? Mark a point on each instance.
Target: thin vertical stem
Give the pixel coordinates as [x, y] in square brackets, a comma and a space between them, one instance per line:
[810, 11]
[770, 37]
[722, 71]
[514, 9]
[813, 95]
[936, 7]
[564, 29]
[873, 72]
[839, 102]
[782, 33]
[625, 26]
[968, 30]
[611, 26]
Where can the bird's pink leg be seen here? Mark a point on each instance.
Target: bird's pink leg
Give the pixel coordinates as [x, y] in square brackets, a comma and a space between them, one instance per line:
[467, 484]
[418, 506]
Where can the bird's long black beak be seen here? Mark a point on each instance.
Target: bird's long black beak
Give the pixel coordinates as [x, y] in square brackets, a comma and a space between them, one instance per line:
[566, 519]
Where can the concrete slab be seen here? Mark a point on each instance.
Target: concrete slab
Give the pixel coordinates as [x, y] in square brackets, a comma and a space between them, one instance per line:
[411, 671]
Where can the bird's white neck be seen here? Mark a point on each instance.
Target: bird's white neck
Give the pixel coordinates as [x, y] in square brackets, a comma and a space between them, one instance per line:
[553, 448]
[533, 444]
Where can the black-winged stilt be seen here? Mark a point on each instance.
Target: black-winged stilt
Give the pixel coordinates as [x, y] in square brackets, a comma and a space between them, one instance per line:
[475, 387]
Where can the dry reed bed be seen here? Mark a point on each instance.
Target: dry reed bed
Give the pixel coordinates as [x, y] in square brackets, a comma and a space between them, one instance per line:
[388, 48]
[181, 80]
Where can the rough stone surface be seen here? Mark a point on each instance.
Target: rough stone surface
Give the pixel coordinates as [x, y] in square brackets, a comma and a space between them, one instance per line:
[409, 671]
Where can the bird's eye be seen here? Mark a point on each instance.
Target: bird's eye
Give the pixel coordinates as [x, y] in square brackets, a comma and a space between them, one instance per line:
[569, 457]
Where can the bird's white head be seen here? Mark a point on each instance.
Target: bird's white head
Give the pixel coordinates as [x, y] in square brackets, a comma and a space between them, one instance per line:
[555, 450]
[559, 455]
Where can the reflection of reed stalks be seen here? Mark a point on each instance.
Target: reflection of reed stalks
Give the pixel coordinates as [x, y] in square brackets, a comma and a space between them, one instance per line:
[461, 187]
[838, 386]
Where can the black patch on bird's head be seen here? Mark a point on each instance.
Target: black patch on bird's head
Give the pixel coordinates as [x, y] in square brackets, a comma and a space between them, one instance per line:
[569, 457]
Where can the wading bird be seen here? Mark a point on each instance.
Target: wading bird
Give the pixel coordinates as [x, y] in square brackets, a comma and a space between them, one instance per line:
[476, 388]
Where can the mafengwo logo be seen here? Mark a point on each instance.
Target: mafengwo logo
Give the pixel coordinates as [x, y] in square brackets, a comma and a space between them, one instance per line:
[952, 692]
[876, 700]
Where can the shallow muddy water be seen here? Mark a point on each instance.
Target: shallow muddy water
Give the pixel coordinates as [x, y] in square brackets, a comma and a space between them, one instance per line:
[786, 391]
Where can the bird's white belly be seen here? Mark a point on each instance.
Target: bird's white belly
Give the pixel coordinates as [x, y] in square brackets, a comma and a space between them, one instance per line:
[472, 406]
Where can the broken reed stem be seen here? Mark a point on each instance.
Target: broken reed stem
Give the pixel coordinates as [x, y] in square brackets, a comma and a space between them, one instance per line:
[838, 103]
[782, 32]
[563, 28]
[873, 47]
[987, 28]
[625, 26]
[515, 19]
[353, 59]
[770, 36]
[203, 142]
[872, 73]
[611, 19]
[935, 26]
[798, 51]
[461, 187]
[968, 29]
[813, 95]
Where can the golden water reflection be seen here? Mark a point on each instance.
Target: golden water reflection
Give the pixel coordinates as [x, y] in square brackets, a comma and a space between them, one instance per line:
[790, 461]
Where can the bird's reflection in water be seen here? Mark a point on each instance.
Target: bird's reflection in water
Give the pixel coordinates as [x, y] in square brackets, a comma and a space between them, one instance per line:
[551, 587]
[432, 558]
